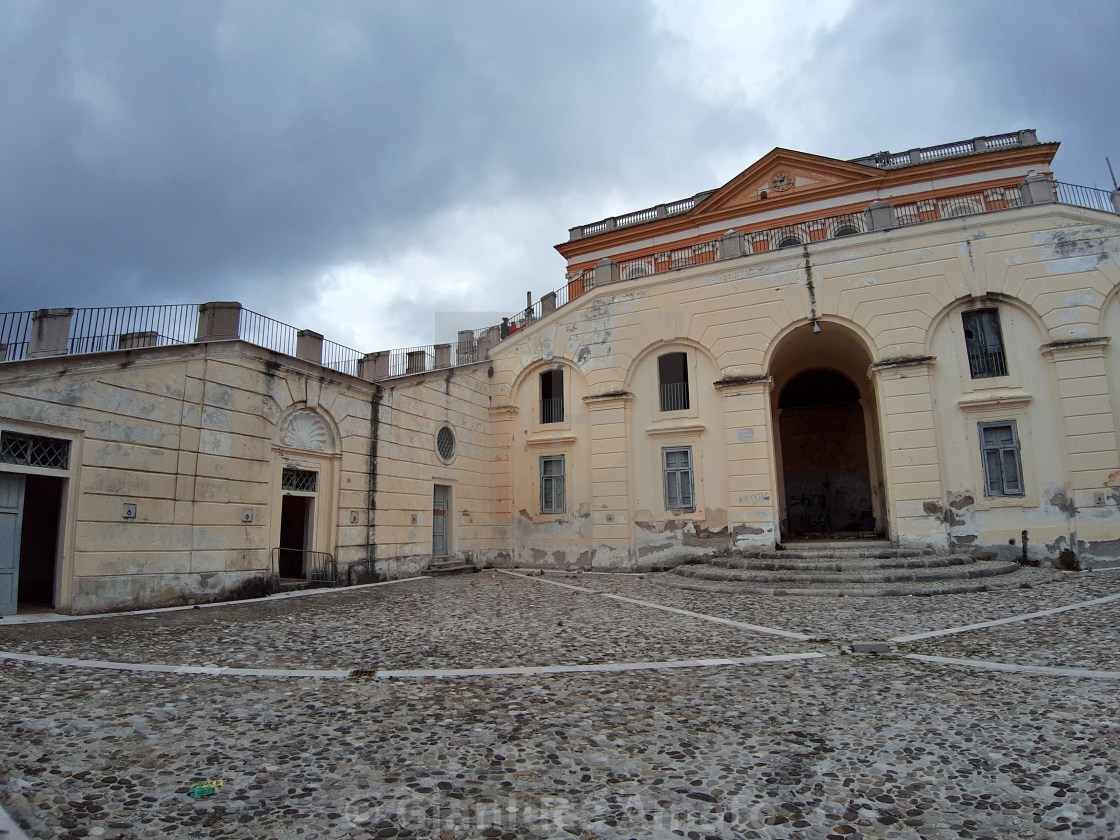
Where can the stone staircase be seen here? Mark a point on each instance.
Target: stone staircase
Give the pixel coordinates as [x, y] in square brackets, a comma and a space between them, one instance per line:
[853, 568]
[449, 566]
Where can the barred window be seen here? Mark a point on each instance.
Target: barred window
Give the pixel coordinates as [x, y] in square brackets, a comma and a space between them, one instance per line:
[300, 481]
[34, 451]
[552, 396]
[672, 377]
[445, 443]
[983, 341]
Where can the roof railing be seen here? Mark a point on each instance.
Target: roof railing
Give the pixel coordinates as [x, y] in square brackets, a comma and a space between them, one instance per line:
[57, 332]
[880, 160]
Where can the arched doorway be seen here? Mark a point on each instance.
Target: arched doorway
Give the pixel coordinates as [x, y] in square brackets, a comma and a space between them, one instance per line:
[829, 468]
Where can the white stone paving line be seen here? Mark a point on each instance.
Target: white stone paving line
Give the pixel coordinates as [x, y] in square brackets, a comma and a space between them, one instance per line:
[46, 618]
[8, 828]
[742, 625]
[949, 631]
[1048, 670]
[156, 668]
[532, 671]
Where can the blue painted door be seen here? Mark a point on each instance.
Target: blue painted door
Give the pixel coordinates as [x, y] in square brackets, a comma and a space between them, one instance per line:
[11, 528]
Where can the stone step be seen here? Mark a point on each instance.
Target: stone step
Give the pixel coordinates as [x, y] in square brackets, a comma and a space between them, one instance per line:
[871, 552]
[775, 561]
[816, 546]
[1022, 577]
[450, 567]
[973, 570]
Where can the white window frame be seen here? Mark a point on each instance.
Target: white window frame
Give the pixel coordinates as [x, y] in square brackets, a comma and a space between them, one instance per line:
[999, 487]
[677, 480]
[553, 496]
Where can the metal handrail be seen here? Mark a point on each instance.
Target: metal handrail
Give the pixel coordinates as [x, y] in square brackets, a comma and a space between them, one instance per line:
[319, 567]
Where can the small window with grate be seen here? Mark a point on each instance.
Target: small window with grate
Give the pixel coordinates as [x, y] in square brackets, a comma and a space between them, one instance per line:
[672, 376]
[983, 342]
[300, 481]
[445, 443]
[34, 451]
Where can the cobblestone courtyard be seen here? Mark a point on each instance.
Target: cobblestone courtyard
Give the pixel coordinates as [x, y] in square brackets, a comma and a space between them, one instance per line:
[599, 707]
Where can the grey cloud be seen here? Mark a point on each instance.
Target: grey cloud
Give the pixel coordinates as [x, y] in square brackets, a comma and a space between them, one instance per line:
[184, 149]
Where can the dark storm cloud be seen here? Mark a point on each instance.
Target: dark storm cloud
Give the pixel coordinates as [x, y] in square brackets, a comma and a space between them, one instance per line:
[187, 151]
[947, 71]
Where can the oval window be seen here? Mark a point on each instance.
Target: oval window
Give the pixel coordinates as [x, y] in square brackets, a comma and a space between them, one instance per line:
[445, 443]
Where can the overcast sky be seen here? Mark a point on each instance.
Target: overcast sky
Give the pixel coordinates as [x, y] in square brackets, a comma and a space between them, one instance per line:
[358, 167]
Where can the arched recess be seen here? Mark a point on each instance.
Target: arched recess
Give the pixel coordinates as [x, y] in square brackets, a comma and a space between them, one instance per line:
[827, 444]
[550, 466]
[676, 437]
[1110, 327]
[305, 490]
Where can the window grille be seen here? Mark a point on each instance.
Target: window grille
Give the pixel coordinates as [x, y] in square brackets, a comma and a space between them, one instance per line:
[552, 484]
[300, 481]
[1003, 467]
[983, 341]
[552, 396]
[672, 374]
[445, 443]
[34, 451]
[677, 467]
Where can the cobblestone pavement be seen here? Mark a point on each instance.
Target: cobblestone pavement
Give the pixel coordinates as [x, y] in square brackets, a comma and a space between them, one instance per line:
[844, 746]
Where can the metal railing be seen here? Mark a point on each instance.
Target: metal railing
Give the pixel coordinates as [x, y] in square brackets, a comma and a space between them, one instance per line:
[674, 396]
[965, 204]
[15, 335]
[834, 227]
[267, 332]
[1089, 197]
[126, 327]
[341, 358]
[318, 568]
[552, 410]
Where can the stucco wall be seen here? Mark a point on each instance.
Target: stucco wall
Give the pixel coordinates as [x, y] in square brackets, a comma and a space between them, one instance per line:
[894, 295]
[411, 412]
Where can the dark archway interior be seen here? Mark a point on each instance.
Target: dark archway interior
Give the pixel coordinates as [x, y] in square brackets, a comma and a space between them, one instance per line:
[294, 516]
[824, 455]
[38, 552]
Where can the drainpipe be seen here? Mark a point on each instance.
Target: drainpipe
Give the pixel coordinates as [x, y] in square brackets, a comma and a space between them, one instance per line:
[371, 489]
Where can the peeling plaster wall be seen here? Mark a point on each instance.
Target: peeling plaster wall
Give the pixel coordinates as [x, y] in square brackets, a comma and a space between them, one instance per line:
[1053, 267]
[189, 436]
[412, 411]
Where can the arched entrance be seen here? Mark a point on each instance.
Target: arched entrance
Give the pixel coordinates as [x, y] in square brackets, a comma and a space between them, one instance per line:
[829, 468]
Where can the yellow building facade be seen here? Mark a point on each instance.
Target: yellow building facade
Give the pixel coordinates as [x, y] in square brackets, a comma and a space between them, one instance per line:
[913, 347]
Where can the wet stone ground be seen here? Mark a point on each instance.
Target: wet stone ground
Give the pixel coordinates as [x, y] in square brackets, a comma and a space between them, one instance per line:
[843, 746]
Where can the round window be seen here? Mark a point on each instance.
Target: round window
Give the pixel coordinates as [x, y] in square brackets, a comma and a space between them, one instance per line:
[445, 443]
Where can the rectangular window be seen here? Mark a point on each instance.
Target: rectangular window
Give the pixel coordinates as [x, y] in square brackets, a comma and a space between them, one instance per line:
[983, 341]
[299, 481]
[999, 450]
[552, 396]
[672, 376]
[34, 451]
[552, 484]
[676, 463]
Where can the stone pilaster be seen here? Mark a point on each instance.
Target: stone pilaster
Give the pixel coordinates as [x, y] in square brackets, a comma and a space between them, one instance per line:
[912, 469]
[752, 506]
[612, 528]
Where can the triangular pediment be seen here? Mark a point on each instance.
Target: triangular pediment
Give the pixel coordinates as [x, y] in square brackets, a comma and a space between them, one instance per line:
[782, 177]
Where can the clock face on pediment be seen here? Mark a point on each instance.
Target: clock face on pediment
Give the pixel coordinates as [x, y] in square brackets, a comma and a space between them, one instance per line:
[781, 181]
